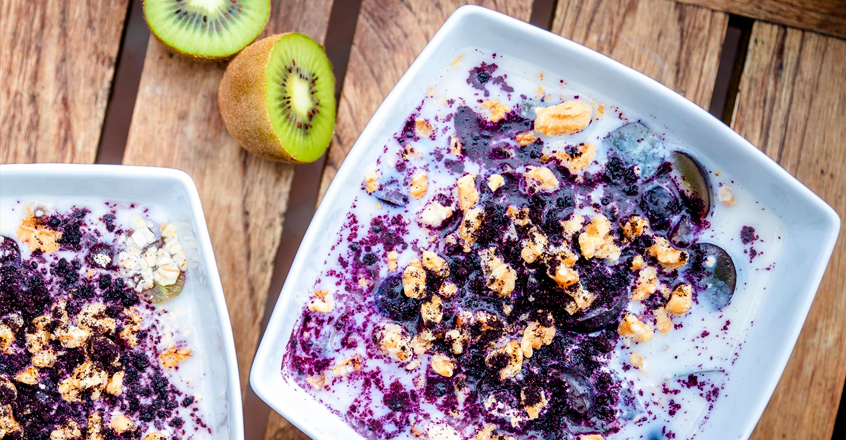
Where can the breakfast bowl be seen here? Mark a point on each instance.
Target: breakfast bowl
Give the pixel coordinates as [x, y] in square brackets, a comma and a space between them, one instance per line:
[153, 351]
[700, 364]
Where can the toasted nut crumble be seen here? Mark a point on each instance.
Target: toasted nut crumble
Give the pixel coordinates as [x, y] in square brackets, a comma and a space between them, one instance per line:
[435, 263]
[323, 302]
[7, 337]
[513, 356]
[434, 214]
[423, 128]
[8, 424]
[71, 336]
[591, 437]
[681, 300]
[393, 341]
[534, 246]
[501, 277]
[668, 256]
[317, 382]
[347, 366]
[392, 260]
[637, 360]
[638, 263]
[646, 284]
[94, 319]
[525, 138]
[121, 424]
[635, 226]
[663, 321]
[419, 185]
[535, 409]
[37, 236]
[726, 196]
[443, 365]
[414, 280]
[422, 341]
[69, 430]
[371, 181]
[540, 178]
[37, 340]
[576, 158]
[565, 118]
[597, 241]
[456, 340]
[467, 229]
[432, 310]
[455, 145]
[173, 356]
[495, 182]
[582, 299]
[535, 336]
[28, 376]
[467, 193]
[448, 289]
[631, 326]
[45, 358]
[497, 109]
[154, 436]
[572, 226]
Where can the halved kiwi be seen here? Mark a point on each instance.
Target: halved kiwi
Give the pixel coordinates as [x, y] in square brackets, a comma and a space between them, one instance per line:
[206, 29]
[277, 98]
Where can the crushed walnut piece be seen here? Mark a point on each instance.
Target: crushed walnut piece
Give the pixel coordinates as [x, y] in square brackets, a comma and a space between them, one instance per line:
[435, 263]
[422, 341]
[392, 260]
[317, 382]
[510, 355]
[414, 280]
[597, 240]
[533, 409]
[371, 181]
[535, 336]
[323, 302]
[663, 321]
[434, 214]
[726, 196]
[347, 366]
[566, 118]
[495, 182]
[122, 424]
[468, 195]
[173, 356]
[447, 289]
[93, 318]
[7, 337]
[572, 225]
[646, 284]
[432, 311]
[525, 138]
[668, 256]
[630, 326]
[28, 376]
[423, 128]
[443, 365]
[497, 109]
[469, 225]
[500, 276]
[69, 430]
[38, 236]
[393, 341]
[591, 437]
[576, 158]
[634, 227]
[681, 300]
[154, 436]
[419, 185]
[637, 263]
[540, 178]
[582, 299]
[637, 361]
[455, 145]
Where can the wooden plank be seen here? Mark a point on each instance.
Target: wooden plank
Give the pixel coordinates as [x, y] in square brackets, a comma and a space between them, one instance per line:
[390, 34]
[825, 16]
[176, 123]
[678, 45]
[56, 72]
[791, 104]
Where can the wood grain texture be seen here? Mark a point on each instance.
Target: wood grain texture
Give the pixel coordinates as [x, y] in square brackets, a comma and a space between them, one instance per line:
[389, 36]
[56, 72]
[177, 124]
[792, 105]
[825, 16]
[678, 45]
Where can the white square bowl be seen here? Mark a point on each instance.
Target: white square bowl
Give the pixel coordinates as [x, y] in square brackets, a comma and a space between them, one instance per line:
[174, 192]
[811, 226]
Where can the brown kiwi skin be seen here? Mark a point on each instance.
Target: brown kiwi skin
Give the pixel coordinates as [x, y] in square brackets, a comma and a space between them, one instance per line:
[242, 99]
[190, 56]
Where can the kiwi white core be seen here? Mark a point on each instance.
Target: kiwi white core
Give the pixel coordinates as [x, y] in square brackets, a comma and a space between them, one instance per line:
[298, 89]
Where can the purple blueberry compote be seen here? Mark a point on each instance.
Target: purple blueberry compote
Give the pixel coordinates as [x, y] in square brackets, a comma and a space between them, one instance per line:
[509, 272]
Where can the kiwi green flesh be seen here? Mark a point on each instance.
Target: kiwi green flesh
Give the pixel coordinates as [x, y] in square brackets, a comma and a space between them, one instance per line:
[207, 28]
[301, 96]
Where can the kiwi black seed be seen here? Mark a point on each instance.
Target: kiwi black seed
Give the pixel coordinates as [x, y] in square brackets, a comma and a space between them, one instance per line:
[206, 29]
[277, 98]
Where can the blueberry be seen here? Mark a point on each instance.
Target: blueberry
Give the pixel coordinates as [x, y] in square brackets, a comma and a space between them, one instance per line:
[392, 302]
[660, 206]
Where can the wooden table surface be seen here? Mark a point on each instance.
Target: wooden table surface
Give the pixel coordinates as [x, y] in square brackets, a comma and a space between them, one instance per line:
[774, 70]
